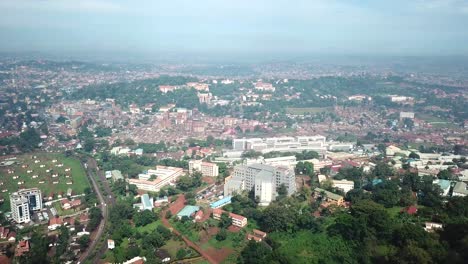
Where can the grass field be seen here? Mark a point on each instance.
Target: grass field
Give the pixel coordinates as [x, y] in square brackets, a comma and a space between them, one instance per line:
[307, 110]
[36, 170]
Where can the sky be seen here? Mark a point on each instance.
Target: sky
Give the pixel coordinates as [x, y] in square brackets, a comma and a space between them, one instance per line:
[248, 27]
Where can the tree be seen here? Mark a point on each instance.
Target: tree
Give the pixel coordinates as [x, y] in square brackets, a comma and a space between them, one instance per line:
[413, 155]
[181, 253]
[445, 175]
[83, 241]
[254, 253]
[278, 218]
[305, 168]
[221, 235]
[225, 220]
[282, 191]
[144, 217]
[95, 216]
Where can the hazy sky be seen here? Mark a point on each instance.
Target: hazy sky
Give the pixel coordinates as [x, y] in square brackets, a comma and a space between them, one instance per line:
[393, 27]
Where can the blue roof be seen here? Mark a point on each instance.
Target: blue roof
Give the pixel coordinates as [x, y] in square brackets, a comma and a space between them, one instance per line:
[188, 210]
[146, 201]
[376, 181]
[221, 202]
[444, 184]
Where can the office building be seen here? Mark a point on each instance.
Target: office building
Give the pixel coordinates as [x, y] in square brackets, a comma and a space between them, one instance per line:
[24, 202]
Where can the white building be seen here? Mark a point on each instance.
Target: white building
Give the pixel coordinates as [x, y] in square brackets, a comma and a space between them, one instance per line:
[344, 185]
[163, 176]
[23, 202]
[263, 179]
[460, 189]
[282, 144]
[206, 168]
[404, 115]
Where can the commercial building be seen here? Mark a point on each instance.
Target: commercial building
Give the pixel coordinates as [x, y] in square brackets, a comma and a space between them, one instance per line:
[206, 168]
[23, 202]
[264, 179]
[162, 176]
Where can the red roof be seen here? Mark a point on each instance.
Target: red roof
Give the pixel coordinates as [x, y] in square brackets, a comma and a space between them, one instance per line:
[55, 221]
[411, 210]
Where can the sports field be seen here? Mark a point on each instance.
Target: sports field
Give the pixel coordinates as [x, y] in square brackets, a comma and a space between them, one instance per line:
[50, 172]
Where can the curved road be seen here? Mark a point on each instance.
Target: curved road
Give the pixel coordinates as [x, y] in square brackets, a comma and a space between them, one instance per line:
[91, 166]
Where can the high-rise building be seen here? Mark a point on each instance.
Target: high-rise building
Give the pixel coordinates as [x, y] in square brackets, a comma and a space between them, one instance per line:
[263, 179]
[23, 202]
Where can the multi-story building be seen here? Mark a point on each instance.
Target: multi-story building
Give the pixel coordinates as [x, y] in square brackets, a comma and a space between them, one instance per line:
[237, 220]
[162, 176]
[206, 168]
[282, 144]
[263, 179]
[24, 202]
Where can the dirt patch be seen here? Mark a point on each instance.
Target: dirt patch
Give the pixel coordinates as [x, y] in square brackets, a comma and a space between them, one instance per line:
[219, 255]
[205, 236]
[208, 180]
[234, 229]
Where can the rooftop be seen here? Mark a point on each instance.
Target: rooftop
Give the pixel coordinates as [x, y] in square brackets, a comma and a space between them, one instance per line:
[188, 210]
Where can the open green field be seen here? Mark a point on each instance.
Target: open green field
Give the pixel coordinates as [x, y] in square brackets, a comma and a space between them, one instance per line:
[36, 170]
[307, 110]
[435, 121]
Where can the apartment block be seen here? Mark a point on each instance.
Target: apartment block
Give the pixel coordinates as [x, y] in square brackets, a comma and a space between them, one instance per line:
[263, 179]
[206, 168]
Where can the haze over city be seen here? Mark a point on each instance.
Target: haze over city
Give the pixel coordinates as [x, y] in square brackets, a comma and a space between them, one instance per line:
[250, 28]
[233, 131]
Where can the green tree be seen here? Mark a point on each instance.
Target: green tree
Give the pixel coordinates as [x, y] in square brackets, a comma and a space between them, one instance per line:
[221, 235]
[144, 217]
[83, 241]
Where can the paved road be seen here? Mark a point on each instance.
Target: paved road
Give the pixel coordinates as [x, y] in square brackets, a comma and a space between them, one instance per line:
[91, 165]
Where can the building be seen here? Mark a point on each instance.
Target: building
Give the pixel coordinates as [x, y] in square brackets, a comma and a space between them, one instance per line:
[162, 176]
[460, 189]
[404, 115]
[22, 248]
[237, 220]
[188, 211]
[329, 196]
[282, 144]
[55, 223]
[344, 185]
[264, 179]
[444, 186]
[206, 168]
[23, 202]
[257, 235]
[136, 260]
[146, 203]
[110, 244]
[220, 203]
